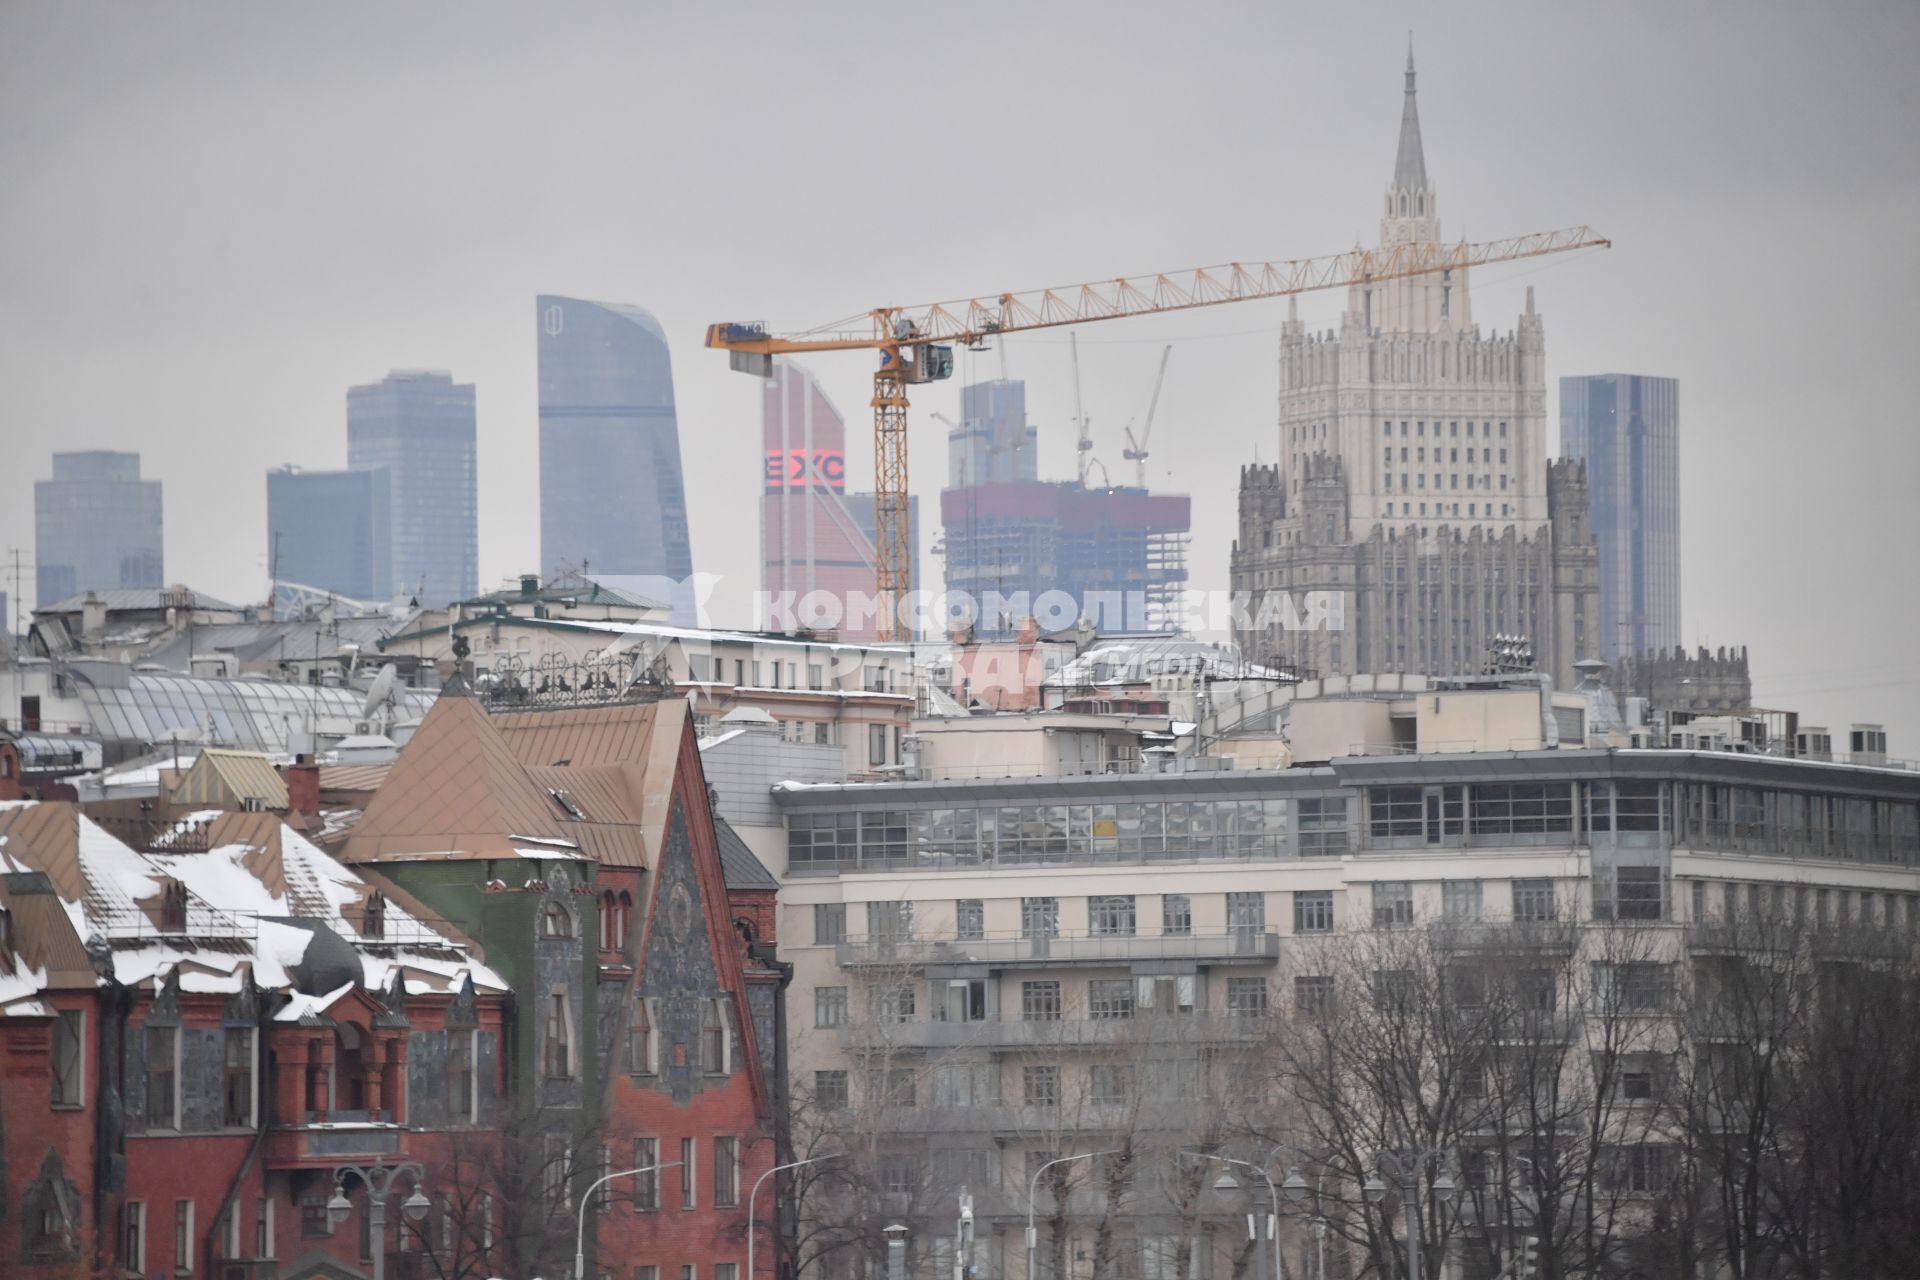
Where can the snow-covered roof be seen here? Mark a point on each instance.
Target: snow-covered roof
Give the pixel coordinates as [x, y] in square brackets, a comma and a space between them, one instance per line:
[253, 902]
[1139, 660]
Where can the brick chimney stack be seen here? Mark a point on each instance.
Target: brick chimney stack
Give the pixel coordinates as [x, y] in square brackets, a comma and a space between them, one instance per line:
[303, 785]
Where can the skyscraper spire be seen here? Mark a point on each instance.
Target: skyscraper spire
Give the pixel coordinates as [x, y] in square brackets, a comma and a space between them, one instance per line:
[1410, 166]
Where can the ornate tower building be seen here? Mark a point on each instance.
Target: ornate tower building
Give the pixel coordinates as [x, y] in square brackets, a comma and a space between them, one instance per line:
[1413, 482]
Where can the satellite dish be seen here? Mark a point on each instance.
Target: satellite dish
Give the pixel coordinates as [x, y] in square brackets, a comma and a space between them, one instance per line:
[379, 694]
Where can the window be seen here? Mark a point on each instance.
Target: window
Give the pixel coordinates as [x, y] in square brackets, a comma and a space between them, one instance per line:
[713, 1037]
[876, 744]
[555, 922]
[830, 1090]
[133, 1252]
[689, 1157]
[966, 1084]
[1108, 1084]
[1638, 894]
[889, 921]
[643, 1047]
[1040, 1001]
[163, 1077]
[969, 920]
[1460, 899]
[1636, 1083]
[1520, 809]
[1392, 904]
[1313, 911]
[829, 1006]
[1247, 997]
[70, 1058]
[893, 1003]
[1534, 900]
[1323, 825]
[1039, 917]
[1041, 1086]
[1166, 993]
[1313, 994]
[1642, 1169]
[1624, 806]
[1697, 901]
[891, 1087]
[556, 1171]
[1176, 914]
[1395, 811]
[462, 1096]
[616, 910]
[726, 1271]
[646, 1271]
[183, 1236]
[1634, 988]
[1246, 918]
[646, 1183]
[314, 1222]
[237, 1090]
[1110, 999]
[558, 1056]
[262, 1227]
[1111, 914]
[726, 1172]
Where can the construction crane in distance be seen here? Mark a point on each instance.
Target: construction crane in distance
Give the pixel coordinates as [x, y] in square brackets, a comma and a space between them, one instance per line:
[1136, 450]
[915, 344]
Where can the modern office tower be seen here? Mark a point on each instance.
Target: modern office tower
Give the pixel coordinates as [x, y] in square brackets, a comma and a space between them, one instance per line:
[816, 538]
[1626, 427]
[419, 426]
[97, 526]
[329, 530]
[1412, 495]
[1118, 553]
[612, 499]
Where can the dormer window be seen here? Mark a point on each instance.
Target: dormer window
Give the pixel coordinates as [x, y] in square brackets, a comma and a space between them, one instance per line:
[173, 907]
[373, 916]
[565, 800]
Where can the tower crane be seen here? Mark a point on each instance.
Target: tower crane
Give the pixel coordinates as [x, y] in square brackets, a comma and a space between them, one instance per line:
[915, 344]
[1136, 450]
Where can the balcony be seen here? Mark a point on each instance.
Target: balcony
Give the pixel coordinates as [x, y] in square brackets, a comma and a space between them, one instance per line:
[329, 1141]
[1007, 1033]
[1020, 950]
[1007, 1122]
[1505, 935]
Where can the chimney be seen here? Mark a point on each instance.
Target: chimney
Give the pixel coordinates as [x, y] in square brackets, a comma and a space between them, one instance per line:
[303, 785]
[1029, 630]
[529, 585]
[93, 615]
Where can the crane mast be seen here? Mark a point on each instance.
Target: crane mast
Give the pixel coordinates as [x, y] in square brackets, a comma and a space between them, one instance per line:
[915, 344]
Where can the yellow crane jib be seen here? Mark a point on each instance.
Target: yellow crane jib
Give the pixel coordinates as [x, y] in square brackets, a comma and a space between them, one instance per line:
[915, 344]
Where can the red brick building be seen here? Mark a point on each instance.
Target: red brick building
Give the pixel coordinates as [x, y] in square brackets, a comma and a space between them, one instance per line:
[202, 1040]
[577, 843]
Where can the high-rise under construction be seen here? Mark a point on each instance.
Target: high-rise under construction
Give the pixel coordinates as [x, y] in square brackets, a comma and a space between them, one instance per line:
[1062, 551]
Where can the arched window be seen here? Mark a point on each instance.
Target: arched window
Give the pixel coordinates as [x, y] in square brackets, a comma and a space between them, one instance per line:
[623, 919]
[555, 922]
[609, 922]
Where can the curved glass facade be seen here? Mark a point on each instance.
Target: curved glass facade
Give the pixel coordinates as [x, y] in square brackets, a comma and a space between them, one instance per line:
[612, 500]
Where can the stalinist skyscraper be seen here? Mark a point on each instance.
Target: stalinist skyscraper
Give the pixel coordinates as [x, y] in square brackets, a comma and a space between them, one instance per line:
[1413, 479]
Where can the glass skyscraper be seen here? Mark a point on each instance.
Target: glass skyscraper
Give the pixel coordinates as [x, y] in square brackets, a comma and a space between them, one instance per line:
[97, 527]
[419, 427]
[612, 500]
[1626, 428]
[330, 530]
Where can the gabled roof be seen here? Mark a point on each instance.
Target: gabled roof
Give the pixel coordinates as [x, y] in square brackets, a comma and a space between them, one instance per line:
[221, 777]
[594, 780]
[738, 862]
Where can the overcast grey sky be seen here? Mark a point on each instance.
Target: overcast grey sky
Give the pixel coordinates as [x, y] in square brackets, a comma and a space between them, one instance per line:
[219, 216]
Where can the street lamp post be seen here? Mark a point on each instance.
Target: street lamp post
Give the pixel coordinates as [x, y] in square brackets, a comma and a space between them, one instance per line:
[779, 1168]
[379, 1179]
[1227, 1183]
[1033, 1192]
[580, 1234]
[1295, 1187]
[1407, 1167]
